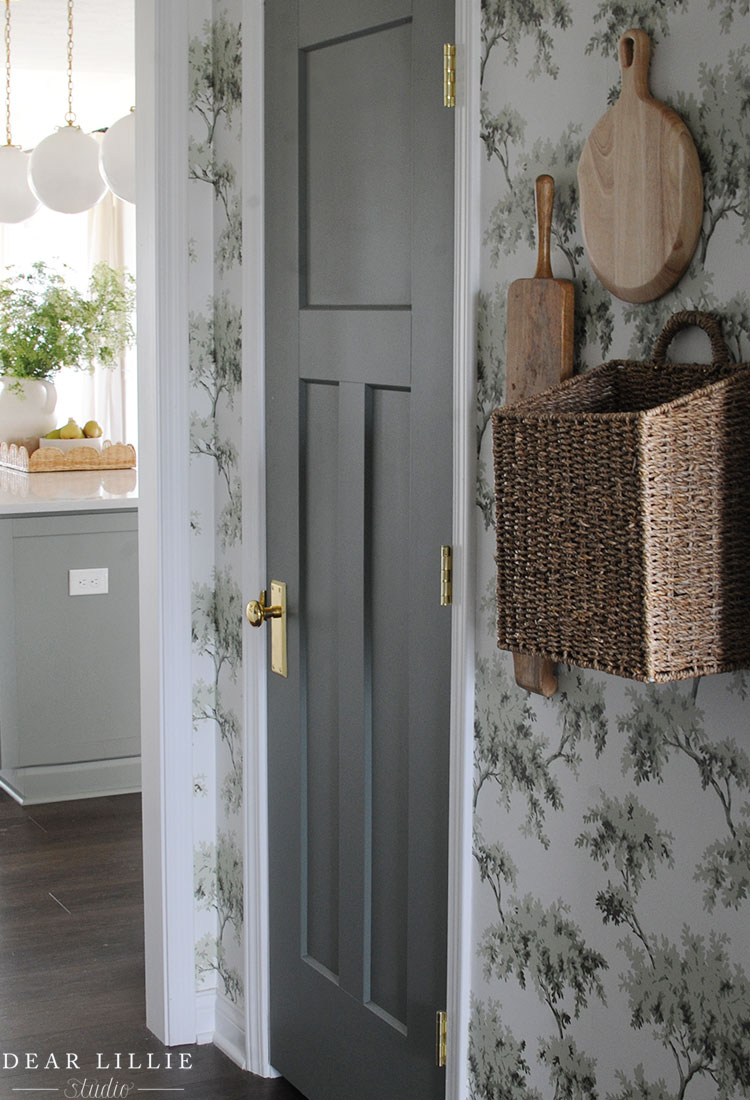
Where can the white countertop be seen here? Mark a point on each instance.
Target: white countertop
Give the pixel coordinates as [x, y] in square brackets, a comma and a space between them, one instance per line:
[79, 491]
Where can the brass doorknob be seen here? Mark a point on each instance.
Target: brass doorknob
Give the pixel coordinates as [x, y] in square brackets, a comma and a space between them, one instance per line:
[257, 612]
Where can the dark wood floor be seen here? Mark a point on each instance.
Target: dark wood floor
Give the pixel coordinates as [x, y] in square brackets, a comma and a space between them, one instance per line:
[71, 962]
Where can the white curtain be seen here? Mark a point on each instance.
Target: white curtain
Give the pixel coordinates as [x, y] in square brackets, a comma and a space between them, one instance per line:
[109, 391]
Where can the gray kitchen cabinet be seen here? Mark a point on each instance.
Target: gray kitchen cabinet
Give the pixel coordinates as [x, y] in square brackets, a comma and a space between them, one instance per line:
[69, 664]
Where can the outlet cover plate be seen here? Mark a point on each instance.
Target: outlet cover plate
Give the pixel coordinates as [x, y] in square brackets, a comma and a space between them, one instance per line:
[88, 582]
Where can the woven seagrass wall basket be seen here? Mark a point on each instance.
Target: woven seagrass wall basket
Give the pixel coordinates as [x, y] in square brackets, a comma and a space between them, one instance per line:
[623, 516]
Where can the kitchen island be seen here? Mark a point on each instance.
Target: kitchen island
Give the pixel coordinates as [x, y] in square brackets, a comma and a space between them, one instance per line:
[69, 650]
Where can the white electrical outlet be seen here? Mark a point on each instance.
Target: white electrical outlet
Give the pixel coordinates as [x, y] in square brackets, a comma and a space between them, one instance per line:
[88, 582]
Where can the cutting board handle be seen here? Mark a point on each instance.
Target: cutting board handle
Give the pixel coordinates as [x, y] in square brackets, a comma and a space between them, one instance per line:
[634, 49]
[545, 198]
[686, 318]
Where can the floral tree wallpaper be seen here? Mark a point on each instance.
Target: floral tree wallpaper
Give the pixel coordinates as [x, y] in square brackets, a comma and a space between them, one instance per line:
[215, 366]
[612, 821]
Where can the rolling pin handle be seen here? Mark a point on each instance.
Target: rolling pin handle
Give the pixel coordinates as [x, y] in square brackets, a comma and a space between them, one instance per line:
[545, 197]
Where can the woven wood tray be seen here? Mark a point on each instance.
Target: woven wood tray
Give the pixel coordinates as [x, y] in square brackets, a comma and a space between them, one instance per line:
[623, 516]
[113, 456]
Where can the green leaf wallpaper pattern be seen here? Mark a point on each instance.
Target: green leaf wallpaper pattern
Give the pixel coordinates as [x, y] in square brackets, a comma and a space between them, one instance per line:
[508, 21]
[215, 373]
[215, 96]
[498, 1067]
[539, 946]
[511, 753]
[218, 886]
[612, 18]
[727, 11]
[542, 947]
[697, 1005]
[215, 349]
[611, 822]
[217, 618]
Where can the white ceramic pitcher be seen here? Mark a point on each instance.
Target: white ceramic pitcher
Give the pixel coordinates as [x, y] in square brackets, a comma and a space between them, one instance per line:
[27, 408]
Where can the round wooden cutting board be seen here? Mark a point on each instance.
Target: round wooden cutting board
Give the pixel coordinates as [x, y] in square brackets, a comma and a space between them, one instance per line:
[641, 187]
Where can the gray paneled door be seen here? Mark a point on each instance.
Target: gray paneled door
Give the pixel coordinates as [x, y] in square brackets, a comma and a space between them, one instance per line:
[359, 245]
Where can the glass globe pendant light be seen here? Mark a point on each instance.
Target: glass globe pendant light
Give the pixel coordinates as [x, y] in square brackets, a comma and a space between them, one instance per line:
[64, 170]
[17, 202]
[118, 157]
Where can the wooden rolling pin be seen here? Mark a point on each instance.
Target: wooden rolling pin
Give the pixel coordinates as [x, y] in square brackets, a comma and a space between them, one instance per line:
[539, 354]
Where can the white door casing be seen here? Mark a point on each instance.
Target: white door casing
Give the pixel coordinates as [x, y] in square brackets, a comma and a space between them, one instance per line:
[161, 82]
[467, 241]
[254, 542]
[163, 516]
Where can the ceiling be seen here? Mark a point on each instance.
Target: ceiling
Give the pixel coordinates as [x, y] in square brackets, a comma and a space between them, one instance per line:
[103, 33]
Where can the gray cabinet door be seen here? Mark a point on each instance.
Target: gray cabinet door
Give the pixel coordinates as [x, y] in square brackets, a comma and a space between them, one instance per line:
[359, 245]
[75, 657]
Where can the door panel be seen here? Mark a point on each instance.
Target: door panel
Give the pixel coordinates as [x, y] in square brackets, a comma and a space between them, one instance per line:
[318, 581]
[389, 549]
[358, 331]
[356, 345]
[325, 20]
[357, 143]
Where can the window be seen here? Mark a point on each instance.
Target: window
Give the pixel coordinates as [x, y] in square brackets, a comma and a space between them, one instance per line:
[107, 232]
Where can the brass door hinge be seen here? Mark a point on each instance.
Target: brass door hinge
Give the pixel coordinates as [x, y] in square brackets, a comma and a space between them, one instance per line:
[441, 1039]
[446, 576]
[449, 75]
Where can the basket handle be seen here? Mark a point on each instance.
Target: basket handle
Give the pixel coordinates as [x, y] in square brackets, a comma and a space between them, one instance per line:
[685, 319]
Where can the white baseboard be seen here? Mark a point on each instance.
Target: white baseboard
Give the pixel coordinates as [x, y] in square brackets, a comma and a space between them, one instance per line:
[205, 1016]
[229, 1035]
[63, 782]
[220, 1022]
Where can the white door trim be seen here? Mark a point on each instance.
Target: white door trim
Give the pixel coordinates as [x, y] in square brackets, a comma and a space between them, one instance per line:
[253, 449]
[164, 529]
[466, 290]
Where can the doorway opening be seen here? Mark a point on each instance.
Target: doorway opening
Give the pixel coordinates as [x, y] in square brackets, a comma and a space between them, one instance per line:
[69, 743]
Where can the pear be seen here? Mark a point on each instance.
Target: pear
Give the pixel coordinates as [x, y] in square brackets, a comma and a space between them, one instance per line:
[54, 434]
[71, 430]
[92, 430]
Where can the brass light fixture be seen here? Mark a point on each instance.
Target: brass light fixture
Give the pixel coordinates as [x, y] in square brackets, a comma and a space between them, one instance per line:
[17, 201]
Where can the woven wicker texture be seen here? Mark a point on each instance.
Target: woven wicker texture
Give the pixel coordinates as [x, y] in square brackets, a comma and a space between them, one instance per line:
[623, 516]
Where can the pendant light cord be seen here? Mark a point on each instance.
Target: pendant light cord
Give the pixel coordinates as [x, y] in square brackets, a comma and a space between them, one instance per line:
[70, 116]
[8, 139]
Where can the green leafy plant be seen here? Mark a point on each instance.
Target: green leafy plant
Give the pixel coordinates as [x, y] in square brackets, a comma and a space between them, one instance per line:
[46, 325]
